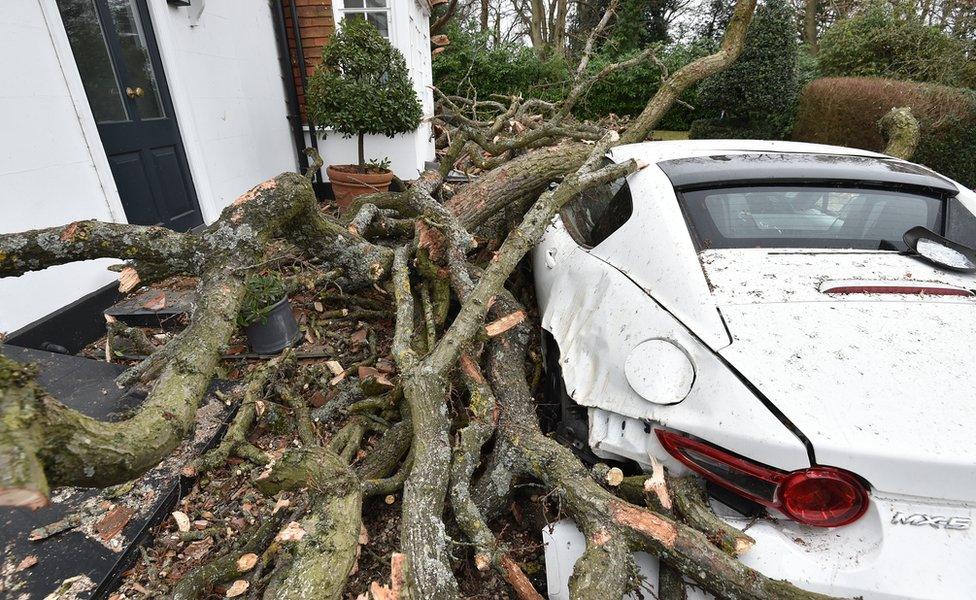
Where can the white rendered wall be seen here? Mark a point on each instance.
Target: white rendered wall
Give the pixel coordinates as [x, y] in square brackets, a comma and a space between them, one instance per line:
[410, 33]
[48, 173]
[227, 88]
[226, 82]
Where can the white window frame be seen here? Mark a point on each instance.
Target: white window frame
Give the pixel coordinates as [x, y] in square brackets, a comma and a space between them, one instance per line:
[339, 13]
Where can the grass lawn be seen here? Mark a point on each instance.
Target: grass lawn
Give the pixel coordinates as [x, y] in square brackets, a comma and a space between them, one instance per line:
[661, 134]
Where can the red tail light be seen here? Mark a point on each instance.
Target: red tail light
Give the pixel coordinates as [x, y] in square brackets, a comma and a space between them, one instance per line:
[818, 496]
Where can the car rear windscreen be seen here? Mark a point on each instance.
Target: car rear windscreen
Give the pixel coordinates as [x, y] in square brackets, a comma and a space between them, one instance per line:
[808, 217]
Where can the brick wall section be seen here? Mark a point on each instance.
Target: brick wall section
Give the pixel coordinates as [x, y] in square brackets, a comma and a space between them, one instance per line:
[316, 24]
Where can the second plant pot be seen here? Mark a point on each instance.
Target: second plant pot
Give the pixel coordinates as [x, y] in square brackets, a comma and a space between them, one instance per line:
[347, 183]
[276, 332]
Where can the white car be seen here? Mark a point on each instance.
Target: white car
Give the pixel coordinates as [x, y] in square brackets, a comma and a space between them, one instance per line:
[750, 311]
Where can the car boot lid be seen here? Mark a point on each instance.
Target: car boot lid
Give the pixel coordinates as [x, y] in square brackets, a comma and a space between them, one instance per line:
[877, 372]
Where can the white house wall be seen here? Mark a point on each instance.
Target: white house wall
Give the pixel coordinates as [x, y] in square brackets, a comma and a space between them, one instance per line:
[48, 172]
[226, 82]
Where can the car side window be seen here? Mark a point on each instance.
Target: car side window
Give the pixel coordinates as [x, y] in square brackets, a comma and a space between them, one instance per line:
[960, 223]
[593, 215]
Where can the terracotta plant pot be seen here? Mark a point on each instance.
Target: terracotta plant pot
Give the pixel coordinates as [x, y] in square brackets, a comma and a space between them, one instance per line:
[347, 183]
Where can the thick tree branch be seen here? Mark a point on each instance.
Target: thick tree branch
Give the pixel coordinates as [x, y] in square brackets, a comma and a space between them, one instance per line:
[467, 454]
[516, 245]
[83, 240]
[690, 74]
[77, 450]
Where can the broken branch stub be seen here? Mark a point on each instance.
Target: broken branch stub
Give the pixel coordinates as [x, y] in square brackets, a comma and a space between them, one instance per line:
[901, 131]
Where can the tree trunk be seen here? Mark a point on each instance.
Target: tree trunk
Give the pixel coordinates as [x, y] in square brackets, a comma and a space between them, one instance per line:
[557, 32]
[810, 14]
[362, 152]
[537, 26]
[483, 17]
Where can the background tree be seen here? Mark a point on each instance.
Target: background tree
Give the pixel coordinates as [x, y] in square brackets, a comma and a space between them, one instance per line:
[635, 25]
[544, 22]
[885, 40]
[811, 10]
[759, 90]
[362, 86]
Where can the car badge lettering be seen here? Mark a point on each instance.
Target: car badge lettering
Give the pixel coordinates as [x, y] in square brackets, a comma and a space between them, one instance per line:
[936, 521]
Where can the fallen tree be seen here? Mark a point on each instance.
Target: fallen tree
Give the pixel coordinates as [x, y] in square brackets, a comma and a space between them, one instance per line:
[457, 462]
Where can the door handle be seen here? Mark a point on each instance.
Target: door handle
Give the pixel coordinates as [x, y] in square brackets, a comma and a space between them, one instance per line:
[134, 92]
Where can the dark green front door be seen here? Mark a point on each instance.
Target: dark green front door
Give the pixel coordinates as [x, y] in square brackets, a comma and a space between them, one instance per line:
[115, 49]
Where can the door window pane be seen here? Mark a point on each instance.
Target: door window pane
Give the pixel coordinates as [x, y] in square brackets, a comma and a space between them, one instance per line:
[91, 55]
[141, 78]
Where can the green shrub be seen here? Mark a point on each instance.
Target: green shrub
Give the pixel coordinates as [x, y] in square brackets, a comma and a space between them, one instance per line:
[627, 92]
[846, 111]
[887, 41]
[362, 86]
[727, 129]
[760, 87]
[470, 67]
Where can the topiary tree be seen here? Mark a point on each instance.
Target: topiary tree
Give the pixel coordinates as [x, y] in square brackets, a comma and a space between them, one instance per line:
[758, 92]
[362, 86]
[886, 40]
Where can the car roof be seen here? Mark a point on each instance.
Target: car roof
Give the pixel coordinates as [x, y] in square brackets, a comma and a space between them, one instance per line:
[800, 168]
[691, 163]
[653, 152]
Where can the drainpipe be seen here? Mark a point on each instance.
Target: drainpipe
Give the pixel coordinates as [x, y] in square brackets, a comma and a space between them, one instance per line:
[284, 56]
[303, 72]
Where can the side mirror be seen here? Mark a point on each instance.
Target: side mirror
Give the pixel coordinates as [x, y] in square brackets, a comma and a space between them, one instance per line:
[937, 249]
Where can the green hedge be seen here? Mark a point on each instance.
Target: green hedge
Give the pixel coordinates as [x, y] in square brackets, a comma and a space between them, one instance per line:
[845, 111]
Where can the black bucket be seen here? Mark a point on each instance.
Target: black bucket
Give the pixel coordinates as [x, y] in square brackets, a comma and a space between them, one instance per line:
[277, 331]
